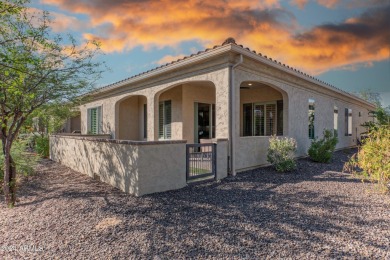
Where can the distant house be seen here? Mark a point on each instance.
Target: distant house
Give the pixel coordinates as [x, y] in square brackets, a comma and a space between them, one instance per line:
[225, 93]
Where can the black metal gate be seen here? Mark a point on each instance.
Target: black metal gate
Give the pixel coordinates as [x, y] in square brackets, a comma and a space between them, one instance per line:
[201, 161]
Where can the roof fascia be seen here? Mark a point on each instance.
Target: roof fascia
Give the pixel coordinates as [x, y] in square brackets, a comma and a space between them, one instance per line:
[293, 72]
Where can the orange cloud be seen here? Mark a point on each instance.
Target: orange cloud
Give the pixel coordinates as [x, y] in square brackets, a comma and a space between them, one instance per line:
[263, 26]
[359, 40]
[62, 22]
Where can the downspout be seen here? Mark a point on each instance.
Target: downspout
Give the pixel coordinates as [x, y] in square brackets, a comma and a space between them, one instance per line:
[232, 116]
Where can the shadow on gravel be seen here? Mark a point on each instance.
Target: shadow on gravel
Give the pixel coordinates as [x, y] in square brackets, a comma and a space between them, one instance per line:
[314, 211]
[260, 211]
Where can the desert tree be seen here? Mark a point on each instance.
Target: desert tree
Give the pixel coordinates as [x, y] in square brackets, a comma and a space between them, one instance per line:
[37, 67]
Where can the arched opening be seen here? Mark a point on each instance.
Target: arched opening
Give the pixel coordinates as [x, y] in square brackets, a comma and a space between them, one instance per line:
[186, 112]
[262, 110]
[132, 118]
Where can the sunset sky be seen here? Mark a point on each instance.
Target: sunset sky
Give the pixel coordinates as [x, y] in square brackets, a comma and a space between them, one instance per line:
[343, 42]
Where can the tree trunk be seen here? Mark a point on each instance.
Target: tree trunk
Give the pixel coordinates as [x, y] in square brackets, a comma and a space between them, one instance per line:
[9, 177]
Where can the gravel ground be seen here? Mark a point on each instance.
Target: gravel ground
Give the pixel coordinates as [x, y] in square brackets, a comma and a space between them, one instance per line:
[314, 212]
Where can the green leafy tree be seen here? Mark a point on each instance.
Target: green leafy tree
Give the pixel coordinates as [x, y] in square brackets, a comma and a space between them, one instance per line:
[36, 68]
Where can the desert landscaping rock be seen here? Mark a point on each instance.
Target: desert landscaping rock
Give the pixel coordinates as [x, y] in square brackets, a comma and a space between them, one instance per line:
[313, 212]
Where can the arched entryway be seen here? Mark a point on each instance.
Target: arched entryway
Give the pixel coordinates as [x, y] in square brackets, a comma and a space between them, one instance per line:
[131, 115]
[186, 112]
[263, 110]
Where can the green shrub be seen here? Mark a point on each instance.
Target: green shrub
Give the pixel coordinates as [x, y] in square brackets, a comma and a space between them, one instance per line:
[25, 162]
[42, 146]
[281, 153]
[373, 158]
[321, 150]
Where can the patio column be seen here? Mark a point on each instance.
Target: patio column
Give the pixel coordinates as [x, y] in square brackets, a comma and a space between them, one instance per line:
[222, 104]
[151, 116]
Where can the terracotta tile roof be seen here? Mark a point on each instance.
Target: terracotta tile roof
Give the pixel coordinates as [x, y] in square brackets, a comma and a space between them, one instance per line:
[227, 41]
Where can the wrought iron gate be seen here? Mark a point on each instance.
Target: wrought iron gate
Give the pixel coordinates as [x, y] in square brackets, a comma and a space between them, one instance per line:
[201, 161]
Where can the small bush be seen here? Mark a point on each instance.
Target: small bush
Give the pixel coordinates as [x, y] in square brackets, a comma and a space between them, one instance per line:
[42, 146]
[322, 150]
[281, 153]
[25, 162]
[372, 161]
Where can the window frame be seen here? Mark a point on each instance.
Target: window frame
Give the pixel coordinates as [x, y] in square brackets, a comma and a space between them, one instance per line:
[348, 121]
[335, 119]
[311, 121]
[264, 117]
[166, 132]
[99, 120]
[145, 106]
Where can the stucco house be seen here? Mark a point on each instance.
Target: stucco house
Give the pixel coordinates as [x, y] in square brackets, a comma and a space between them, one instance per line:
[228, 95]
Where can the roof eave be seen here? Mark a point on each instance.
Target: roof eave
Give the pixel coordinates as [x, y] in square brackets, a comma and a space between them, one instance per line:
[166, 68]
[291, 71]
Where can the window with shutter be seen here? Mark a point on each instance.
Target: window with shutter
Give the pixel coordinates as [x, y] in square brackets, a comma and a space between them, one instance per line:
[161, 120]
[270, 119]
[247, 119]
[279, 119]
[260, 119]
[94, 120]
[258, 114]
[145, 121]
[165, 118]
[349, 123]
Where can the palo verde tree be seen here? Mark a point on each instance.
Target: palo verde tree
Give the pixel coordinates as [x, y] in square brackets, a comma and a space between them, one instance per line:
[36, 68]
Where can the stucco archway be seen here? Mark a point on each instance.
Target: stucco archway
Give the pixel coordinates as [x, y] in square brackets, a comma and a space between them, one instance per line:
[131, 118]
[177, 110]
[263, 109]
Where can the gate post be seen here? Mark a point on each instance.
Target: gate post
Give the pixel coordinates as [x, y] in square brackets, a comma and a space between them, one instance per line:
[214, 162]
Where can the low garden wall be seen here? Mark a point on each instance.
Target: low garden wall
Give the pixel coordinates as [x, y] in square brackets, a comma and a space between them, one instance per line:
[135, 167]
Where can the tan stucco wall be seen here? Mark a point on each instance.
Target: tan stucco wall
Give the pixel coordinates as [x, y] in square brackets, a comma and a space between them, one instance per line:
[133, 168]
[128, 124]
[222, 159]
[294, 90]
[219, 77]
[251, 151]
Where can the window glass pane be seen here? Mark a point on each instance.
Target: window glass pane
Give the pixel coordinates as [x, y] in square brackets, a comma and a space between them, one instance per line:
[145, 121]
[213, 121]
[279, 111]
[258, 117]
[311, 118]
[346, 121]
[270, 119]
[335, 118]
[167, 119]
[247, 120]
[349, 121]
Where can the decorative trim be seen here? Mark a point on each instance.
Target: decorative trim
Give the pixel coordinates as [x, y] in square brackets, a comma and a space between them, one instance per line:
[116, 141]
